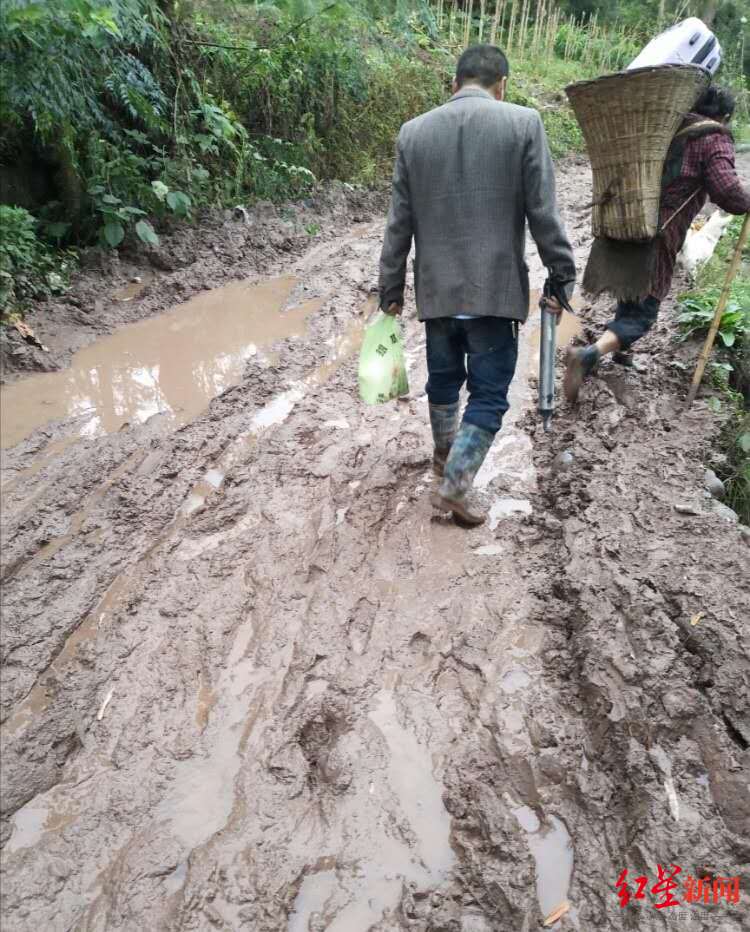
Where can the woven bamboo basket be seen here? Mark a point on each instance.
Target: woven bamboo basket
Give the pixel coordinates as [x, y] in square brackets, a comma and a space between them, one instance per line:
[628, 121]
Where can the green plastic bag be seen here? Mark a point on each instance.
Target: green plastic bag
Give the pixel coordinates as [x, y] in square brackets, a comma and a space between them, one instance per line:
[382, 367]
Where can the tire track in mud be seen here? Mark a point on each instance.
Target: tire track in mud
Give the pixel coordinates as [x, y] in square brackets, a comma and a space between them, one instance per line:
[314, 704]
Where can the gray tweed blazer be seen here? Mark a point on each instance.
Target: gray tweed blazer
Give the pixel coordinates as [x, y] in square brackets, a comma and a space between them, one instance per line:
[468, 175]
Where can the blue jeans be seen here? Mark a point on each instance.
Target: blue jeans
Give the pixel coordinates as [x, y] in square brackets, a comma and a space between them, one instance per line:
[481, 352]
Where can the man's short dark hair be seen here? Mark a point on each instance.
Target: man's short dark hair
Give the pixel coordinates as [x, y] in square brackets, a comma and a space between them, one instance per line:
[485, 65]
[715, 102]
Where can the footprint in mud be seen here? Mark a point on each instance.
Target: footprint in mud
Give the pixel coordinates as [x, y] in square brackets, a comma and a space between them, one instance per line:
[318, 739]
[396, 829]
[360, 624]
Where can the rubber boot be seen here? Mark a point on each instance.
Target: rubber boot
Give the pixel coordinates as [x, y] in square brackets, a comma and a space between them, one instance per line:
[444, 423]
[580, 363]
[623, 358]
[467, 454]
[628, 360]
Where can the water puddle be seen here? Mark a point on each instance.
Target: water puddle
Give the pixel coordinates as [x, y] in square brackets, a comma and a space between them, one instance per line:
[314, 899]
[201, 798]
[133, 289]
[490, 550]
[514, 679]
[36, 819]
[411, 777]
[175, 881]
[275, 412]
[552, 850]
[661, 759]
[175, 363]
[506, 507]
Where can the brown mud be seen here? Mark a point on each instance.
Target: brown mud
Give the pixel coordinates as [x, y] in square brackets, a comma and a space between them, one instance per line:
[252, 681]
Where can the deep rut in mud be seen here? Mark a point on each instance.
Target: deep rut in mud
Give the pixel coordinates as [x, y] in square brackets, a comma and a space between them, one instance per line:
[251, 681]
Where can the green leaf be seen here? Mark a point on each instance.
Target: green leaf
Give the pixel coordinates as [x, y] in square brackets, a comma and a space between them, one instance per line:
[111, 199]
[57, 230]
[728, 338]
[146, 233]
[714, 405]
[103, 17]
[179, 202]
[160, 189]
[743, 442]
[113, 233]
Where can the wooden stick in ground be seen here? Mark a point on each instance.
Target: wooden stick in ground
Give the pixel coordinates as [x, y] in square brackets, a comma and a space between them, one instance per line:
[716, 322]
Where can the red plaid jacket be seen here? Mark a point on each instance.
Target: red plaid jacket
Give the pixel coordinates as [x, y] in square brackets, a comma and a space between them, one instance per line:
[708, 168]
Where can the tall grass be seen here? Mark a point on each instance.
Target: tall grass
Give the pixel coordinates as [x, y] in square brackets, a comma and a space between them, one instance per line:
[539, 28]
[542, 28]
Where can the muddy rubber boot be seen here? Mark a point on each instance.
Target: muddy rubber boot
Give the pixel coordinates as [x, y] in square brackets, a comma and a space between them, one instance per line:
[628, 360]
[623, 358]
[580, 363]
[467, 454]
[444, 423]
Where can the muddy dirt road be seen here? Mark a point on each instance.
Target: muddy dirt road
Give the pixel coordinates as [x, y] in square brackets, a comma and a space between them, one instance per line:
[252, 681]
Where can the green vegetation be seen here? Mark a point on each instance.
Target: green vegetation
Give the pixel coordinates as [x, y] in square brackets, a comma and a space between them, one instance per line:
[731, 370]
[123, 116]
[28, 267]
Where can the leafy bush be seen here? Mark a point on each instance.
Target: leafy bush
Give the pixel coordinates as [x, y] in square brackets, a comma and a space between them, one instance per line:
[697, 312]
[732, 371]
[28, 267]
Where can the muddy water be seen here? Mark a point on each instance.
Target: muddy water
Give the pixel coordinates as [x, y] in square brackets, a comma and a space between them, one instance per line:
[134, 288]
[175, 363]
[553, 855]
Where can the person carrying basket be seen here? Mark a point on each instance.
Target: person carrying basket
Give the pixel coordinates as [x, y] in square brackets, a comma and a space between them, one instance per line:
[699, 165]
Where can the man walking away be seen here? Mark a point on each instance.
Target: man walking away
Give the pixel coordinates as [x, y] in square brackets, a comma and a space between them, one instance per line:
[467, 176]
[699, 165]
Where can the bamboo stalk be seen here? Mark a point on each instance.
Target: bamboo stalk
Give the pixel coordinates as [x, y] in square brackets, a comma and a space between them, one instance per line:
[511, 31]
[720, 308]
[482, 7]
[591, 39]
[496, 20]
[467, 25]
[524, 24]
[554, 26]
[541, 12]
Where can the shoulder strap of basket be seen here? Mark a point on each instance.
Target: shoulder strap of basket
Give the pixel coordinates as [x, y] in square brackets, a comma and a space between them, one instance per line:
[700, 128]
[673, 162]
[680, 209]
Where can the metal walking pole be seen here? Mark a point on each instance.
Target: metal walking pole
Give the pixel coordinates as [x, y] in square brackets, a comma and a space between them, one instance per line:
[547, 365]
[720, 308]
[552, 289]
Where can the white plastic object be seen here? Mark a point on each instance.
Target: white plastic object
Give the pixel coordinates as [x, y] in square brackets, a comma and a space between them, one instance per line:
[700, 244]
[690, 42]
